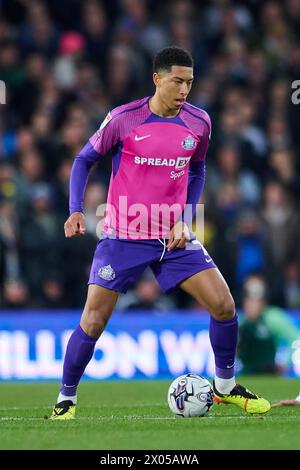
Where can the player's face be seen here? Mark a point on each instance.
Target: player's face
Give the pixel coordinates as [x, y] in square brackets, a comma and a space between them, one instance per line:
[174, 86]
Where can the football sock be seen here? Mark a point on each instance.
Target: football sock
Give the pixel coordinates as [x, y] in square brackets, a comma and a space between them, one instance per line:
[62, 397]
[223, 337]
[79, 352]
[224, 386]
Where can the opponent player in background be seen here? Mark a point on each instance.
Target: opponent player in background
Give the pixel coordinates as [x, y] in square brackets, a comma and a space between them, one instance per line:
[158, 146]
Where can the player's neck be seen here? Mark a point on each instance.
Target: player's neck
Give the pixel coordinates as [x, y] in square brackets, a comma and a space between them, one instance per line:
[158, 107]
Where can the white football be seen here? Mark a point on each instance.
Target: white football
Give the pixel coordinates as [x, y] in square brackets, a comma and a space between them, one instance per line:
[190, 395]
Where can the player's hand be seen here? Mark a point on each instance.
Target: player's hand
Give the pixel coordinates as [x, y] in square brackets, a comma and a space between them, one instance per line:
[75, 225]
[179, 235]
[287, 403]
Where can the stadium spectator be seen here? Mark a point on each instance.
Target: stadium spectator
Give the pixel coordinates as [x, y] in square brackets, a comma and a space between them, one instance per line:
[40, 228]
[228, 169]
[292, 284]
[268, 326]
[146, 296]
[15, 295]
[257, 346]
[281, 226]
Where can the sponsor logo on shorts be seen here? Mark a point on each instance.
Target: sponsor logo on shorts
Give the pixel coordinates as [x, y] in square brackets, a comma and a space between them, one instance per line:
[107, 273]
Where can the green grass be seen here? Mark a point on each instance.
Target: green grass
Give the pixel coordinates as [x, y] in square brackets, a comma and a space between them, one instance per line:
[134, 415]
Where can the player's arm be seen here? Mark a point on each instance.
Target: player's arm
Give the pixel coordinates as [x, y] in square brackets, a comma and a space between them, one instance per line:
[75, 225]
[196, 183]
[98, 145]
[197, 171]
[180, 233]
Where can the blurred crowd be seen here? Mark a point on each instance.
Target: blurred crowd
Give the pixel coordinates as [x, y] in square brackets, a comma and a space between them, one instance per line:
[66, 63]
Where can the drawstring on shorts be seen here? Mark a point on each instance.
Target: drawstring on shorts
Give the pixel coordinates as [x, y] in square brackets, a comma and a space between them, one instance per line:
[163, 242]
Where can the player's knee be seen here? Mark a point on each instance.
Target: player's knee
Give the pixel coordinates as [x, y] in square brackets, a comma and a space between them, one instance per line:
[224, 309]
[94, 320]
[92, 328]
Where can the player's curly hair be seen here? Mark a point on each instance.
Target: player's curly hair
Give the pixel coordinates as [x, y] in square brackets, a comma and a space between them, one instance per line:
[169, 56]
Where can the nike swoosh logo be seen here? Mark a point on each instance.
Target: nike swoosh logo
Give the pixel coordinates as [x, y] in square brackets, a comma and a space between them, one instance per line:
[229, 367]
[137, 138]
[208, 260]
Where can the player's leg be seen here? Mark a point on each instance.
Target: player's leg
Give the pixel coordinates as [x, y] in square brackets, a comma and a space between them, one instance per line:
[117, 265]
[97, 311]
[210, 290]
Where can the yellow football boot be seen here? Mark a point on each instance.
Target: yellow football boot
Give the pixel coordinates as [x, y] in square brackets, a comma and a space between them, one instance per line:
[242, 397]
[64, 410]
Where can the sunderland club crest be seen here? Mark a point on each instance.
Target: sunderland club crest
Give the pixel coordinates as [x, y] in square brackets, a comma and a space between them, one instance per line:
[188, 143]
[107, 273]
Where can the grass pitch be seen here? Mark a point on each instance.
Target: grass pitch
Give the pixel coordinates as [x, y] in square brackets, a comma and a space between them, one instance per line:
[135, 415]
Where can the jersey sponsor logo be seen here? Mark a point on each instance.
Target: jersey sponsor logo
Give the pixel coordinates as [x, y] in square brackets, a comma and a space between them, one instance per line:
[107, 273]
[182, 162]
[104, 123]
[178, 163]
[142, 137]
[176, 174]
[188, 143]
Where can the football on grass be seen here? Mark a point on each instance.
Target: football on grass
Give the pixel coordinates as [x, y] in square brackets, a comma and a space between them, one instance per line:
[190, 395]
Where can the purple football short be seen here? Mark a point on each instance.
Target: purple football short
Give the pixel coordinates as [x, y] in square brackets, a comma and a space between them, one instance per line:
[118, 264]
